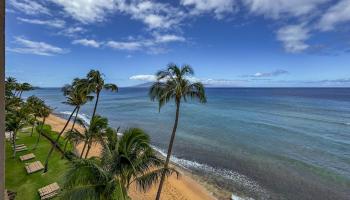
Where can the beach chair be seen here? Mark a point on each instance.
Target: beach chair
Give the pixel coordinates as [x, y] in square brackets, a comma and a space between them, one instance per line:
[34, 167]
[49, 191]
[21, 148]
[27, 157]
[19, 145]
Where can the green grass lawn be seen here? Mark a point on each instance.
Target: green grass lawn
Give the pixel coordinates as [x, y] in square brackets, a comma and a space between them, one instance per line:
[27, 185]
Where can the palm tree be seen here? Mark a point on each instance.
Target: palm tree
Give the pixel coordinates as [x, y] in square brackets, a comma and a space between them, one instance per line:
[73, 136]
[80, 85]
[23, 87]
[15, 121]
[96, 84]
[173, 84]
[126, 160]
[34, 104]
[10, 86]
[44, 112]
[96, 130]
[76, 97]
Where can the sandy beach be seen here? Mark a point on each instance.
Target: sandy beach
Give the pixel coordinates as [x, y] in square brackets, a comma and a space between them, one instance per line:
[182, 188]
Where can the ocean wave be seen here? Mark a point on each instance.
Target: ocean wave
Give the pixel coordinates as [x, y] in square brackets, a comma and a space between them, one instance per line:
[82, 116]
[218, 172]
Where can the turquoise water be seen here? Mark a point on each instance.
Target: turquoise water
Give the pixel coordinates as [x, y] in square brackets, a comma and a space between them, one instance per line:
[267, 143]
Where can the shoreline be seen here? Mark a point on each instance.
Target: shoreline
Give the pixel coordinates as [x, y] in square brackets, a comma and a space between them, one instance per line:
[187, 187]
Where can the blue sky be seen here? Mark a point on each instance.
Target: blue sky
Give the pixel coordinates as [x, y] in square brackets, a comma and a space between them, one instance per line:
[254, 43]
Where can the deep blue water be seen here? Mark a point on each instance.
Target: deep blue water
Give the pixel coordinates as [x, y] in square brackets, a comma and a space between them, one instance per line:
[264, 134]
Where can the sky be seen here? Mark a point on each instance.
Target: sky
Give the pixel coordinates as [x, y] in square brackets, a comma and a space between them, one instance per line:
[228, 43]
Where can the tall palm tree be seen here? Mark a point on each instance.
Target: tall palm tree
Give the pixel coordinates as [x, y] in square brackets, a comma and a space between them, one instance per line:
[35, 104]
[81, 85]
[44, 112]
[96, 130]
[76, 97]
[173, 84]
[14, 122]
[126, 160]
[96, 84]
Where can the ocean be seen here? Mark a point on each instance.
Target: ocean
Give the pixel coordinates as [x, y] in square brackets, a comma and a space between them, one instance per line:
[264, 143]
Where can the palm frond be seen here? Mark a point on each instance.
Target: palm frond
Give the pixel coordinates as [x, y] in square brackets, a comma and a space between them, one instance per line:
[146, 181]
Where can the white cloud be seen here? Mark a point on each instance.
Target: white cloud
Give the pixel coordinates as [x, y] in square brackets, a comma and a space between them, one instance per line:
[336, 14]
[154, 45]
[143, 77]
[277, 72]
[278, 8]
[87, 11]
[168, 38]
[154, 14]
[56, 23]
[130, 46]
[219, 7]
[293, 38]
[29, 7]
[221, 82]
[26, 46]
[87, 42]
[72, 31]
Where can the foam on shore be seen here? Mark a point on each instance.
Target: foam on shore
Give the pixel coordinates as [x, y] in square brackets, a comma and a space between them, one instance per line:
[218, 172]
[82, 116]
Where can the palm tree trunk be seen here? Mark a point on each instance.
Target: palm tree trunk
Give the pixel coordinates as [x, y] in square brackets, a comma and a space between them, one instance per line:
[169, 150]
[64, 149]
[75, 120]
[20, 94]
[82, 151]
[41, 129]
[17, 94]
[31, 134]
[14, 134]
[58, 137]
[88, 150]
[96, 102]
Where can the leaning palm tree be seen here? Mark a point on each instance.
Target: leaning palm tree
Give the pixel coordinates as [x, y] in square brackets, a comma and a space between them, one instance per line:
[76, 97]
[23, 87]
[44, 112]
[35, 104]
[95, 133]
[125, 160]
[173, 84]
[96, 84]
[72, 136]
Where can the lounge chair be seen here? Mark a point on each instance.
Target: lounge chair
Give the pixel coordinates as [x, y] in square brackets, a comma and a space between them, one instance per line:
[21, 148]
[27, 157]
[49, 191]
[34, 167]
